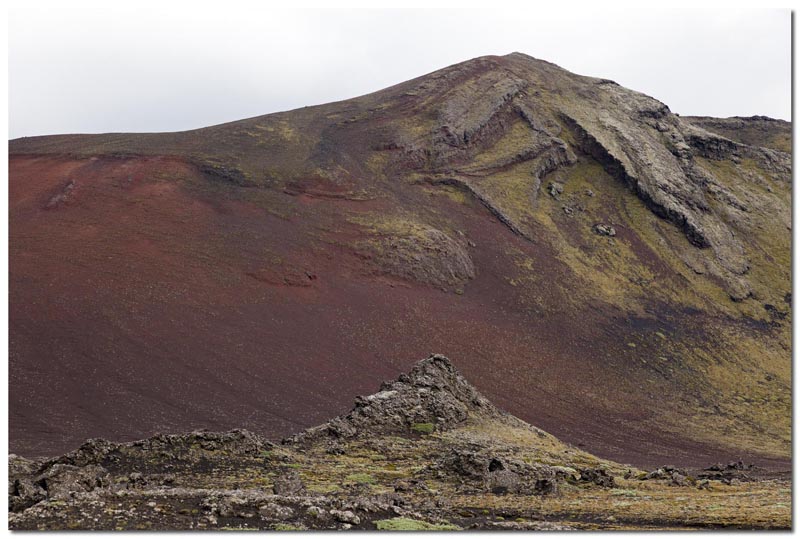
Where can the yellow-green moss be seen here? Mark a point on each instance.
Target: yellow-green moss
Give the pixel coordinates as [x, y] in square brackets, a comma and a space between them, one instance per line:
[409, 524]
[423, 428]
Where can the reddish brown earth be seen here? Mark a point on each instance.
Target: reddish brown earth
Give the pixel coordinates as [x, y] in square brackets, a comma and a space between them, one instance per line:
[148, 294]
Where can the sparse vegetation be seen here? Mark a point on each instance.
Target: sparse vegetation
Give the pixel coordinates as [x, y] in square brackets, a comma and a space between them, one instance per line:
[423, 428]
[361, 478]
[409, 524]
[422, 471]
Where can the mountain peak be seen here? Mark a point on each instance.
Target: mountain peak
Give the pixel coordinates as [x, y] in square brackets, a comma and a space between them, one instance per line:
[516, 55]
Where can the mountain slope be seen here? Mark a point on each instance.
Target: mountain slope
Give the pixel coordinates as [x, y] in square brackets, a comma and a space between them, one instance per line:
[600, 266]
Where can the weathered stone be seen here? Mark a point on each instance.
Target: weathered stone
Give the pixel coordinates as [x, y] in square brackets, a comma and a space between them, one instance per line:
[347, 517]
[604, 230]
[23, 493]
[598, 476]
[276, 512]
[317, 513]
[422, 253]
[679, 480]
[62, 481]
[497, 475]
[288, 484]
[555, 189]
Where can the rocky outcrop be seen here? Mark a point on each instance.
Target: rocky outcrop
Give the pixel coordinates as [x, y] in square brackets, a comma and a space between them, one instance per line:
[89, 467]
[597, 476]
[664, 177]
[492, 114]
[728, 473]
[420, 253]
[758, 131]
[714, 146]
[432, 397]
[29, 485]
[485, 471]
[177, 446]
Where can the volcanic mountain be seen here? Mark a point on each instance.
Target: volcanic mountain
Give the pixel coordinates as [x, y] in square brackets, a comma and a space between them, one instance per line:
[599, 266]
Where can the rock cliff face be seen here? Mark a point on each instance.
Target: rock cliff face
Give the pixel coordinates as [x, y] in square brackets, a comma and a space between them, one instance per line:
[519, 110]
[606, 269]
[759, 131]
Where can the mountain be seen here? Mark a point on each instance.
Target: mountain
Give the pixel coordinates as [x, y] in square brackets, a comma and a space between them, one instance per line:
[602, 268]
[427, 452]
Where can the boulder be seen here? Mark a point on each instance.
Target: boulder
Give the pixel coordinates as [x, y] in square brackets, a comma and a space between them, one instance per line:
[598, 476]
[604, 230]
[288, 484]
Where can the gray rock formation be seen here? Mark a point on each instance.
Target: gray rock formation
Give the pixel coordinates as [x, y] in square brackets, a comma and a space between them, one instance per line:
[486, 471]
[519, 111]
[433, 396]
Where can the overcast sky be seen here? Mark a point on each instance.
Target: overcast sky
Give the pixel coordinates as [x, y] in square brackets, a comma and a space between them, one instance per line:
[77, 67]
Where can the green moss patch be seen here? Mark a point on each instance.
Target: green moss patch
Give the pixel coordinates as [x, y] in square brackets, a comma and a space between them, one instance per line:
[362, 478]
[423, 428]
[409, 524]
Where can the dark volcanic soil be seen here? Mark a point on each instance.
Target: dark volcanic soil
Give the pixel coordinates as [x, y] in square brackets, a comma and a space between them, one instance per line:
[155, 322]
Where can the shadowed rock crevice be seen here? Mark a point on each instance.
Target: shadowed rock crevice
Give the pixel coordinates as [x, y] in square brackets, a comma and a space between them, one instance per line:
[676, 191]
[591, 146]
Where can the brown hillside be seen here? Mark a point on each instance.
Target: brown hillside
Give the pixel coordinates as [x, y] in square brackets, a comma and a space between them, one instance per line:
[598, 266]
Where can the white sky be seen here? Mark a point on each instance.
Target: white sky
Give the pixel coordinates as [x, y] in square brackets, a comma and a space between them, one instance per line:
[91, 67]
